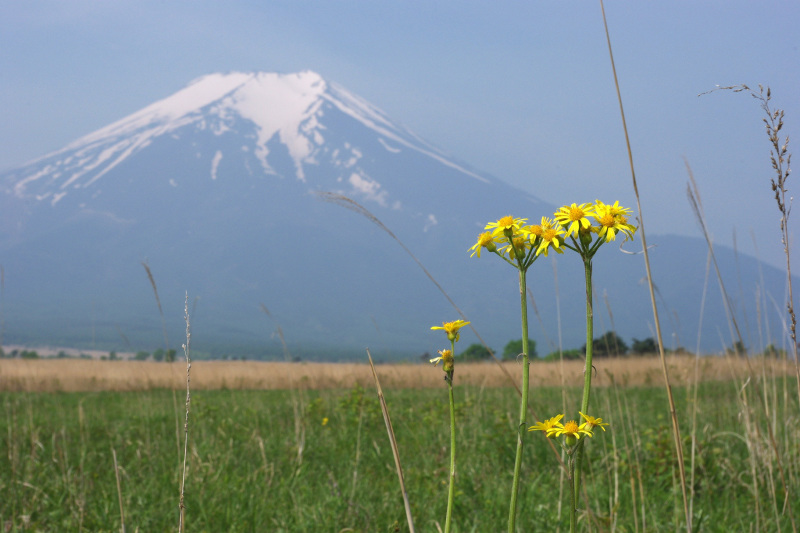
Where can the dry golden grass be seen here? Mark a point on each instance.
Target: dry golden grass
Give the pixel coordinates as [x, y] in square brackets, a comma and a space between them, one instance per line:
[93, 375]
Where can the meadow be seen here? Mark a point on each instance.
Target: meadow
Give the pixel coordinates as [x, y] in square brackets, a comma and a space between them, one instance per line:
[310, 454]
[692, 444]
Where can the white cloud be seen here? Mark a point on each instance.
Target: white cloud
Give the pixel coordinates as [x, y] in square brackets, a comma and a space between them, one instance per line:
[430, 222]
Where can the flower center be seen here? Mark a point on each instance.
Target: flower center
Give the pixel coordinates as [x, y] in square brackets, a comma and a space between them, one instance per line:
[571, 427]
[607, 220]
[576, 213]
[485, 239]
[505, 222]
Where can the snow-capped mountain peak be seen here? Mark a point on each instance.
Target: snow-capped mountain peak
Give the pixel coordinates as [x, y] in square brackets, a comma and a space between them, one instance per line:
[287, 108]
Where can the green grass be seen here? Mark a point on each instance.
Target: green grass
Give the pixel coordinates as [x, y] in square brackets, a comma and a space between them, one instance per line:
[56, 467]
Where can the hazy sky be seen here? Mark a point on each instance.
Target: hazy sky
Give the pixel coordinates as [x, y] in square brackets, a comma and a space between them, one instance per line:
[519, 89]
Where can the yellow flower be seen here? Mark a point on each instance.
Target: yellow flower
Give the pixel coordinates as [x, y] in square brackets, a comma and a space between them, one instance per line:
[576, 216]
[592, 422]
[446, 357]
[570, 429]
[627, 229]
[612, 219]
[615, 209]
[551, 235]
[507, 223]
[485, 240]
[325, 421]
[451, 328]
[548, 425]
[538, 230]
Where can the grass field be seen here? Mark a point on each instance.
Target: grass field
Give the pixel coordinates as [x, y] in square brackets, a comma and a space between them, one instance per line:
[319, 460]
[65, 375]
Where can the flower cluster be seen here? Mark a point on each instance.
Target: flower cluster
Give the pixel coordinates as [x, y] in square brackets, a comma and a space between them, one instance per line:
[581, 228]
[520, 244]
[446, 356]
[571, 431]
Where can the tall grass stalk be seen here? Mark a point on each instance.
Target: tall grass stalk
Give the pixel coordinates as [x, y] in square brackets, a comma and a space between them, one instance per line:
[167, 353]
[187, 355]
[671, 400]
[393, 442]
[781, 160]
[119, 491]
[693, 194]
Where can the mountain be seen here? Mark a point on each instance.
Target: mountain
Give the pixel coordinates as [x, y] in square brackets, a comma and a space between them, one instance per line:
[214, 188]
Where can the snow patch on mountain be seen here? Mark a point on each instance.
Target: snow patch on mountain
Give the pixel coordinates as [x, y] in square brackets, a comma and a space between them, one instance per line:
[171, 112]
[368, 187]
[215, 164]
[290, 111]
[376, 120]
[389, 148]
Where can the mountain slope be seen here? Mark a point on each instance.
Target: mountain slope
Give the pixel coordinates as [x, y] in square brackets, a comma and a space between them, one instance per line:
[214, 188]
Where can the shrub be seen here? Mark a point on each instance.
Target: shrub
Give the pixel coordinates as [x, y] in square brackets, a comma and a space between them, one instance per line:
[514, 348]
[475, 352]
[609, 344]
[645, 346]
[566, 354]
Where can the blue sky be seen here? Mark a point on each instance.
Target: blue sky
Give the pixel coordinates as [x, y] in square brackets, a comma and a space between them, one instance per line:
[522, 90]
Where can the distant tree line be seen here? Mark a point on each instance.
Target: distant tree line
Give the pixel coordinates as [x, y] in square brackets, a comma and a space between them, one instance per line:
[512, 350]
[607, 345]
[157, 355]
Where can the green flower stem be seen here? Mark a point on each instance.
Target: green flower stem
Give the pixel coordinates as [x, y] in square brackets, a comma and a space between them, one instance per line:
[523, 406]
[451, 493]
[587, 371]
[573, 511]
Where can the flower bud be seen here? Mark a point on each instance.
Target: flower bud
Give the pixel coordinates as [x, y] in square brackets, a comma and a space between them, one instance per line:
[585, 235]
